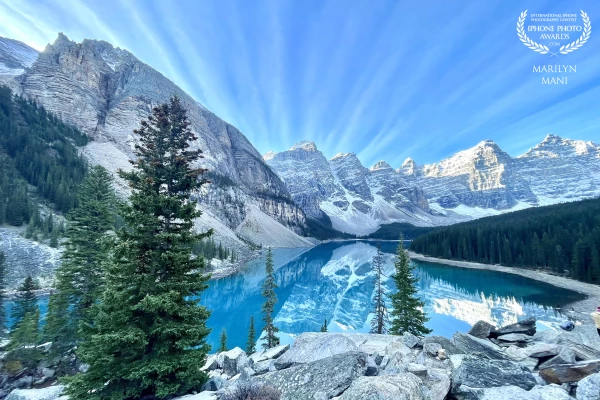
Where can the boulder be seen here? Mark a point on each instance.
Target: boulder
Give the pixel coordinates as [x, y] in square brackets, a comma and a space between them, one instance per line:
[262, 367]
[550, 392]
[519, 355]
[481, 329]
[515, 338]
[437, 383]
[542, 350]
[475, 372]
[321, 379]
[233, 361]
[269, 354]
[211, 363]
[397, 347]
[444, 342]
[494, 393]
[48, 372]
[564, 373]
[213, 384]
[470, 344]
[309, 347]
[409, 340]
[417, 369]
[398, 387]
[432, 362]
[372, 368]
[432, 348]
[589, 388]
[564, 356]
[526, 327]
[396, 364]
[442, 354]
[49, 393]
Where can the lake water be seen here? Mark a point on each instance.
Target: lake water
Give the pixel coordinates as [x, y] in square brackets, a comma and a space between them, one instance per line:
[334, 281]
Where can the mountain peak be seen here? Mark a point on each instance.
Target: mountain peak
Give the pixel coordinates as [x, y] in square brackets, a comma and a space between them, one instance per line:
[409, 162]
[304, 145]
[339, 156]
[269, 155]
[380, 165]
[552, 138]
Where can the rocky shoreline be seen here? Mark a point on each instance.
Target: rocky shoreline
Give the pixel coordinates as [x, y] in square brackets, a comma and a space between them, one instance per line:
[488, 363]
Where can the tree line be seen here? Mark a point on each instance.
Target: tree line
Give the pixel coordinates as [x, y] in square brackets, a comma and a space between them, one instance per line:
[562, 239]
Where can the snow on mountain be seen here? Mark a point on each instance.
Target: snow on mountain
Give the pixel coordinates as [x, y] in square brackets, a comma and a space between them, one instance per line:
[106, 91]
[477, 182]
[15, 56]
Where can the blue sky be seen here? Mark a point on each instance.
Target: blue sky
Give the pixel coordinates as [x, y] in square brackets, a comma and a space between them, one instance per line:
[384, 79]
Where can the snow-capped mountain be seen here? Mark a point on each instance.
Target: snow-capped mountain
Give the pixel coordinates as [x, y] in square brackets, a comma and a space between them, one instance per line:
[106, 91]
[483, 180]
[15, 56]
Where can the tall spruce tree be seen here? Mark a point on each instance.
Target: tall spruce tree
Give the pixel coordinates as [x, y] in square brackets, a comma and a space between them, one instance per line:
[79, 279]
[407, 313]
[379, 323]
[148, 335]
[251, 343]
[25, 301]
[3, 326]
[324, 326]
[268, 291]
[223, 341]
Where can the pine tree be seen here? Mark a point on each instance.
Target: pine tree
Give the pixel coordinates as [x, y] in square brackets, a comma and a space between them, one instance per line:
[324, 326]
[25, 302]
[2, 294]
[407, 313]
[268, 308]
[80, 275]
[223, 341]
[251, 343]
[148, 335]
[380, 321]
[26, 332]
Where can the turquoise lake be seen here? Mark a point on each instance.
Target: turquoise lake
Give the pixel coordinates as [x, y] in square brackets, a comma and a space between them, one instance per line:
[334, 281]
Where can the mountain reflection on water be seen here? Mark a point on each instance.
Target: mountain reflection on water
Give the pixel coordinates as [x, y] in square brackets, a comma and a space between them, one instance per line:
[334, 281]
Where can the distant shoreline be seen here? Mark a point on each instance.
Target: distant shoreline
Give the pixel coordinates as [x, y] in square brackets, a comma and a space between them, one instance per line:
[580, 309]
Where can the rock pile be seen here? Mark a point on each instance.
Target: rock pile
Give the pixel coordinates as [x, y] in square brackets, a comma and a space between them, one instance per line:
[512, 362]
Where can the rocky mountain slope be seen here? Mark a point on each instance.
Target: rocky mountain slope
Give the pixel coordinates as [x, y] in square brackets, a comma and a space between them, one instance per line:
[477, 182]
[106, 91]
[15, 56]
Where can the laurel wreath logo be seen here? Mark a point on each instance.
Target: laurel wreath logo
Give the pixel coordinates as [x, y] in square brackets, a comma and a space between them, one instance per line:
[542, 49]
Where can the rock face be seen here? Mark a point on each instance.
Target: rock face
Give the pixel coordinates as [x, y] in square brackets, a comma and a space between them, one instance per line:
[309, 347]
[589, 388]
[15, 57]
[399, 387]
[49, 393]
[106, 91]
[321, 379]
[482, 180]
[481, 373]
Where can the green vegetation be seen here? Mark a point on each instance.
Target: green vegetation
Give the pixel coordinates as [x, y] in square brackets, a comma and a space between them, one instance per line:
[394, 230]
[407, 309]
[268, 291]
[79, 277]
[251, 343]
[324, 326]
[380, 322]
[563, 238]
[2, 295]
[148, 335]
[38, 149]
[223, 341]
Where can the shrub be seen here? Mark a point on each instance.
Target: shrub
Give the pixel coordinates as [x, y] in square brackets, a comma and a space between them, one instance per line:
[13, 367]
[252, 391]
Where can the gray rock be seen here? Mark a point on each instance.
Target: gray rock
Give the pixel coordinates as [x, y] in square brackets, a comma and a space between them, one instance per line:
[526, 327]
[432, 362]
[398, 387]
[470, 344]
[48, 372]
[211, 363]
[268, 354]
[213, 384]
[262, 367]
[565, 373]
[481, 329]
[417, 369]
[515, 337]
[494, 393]
[564, 356]
[309, 347]
[432, 348]
[437, 382]
[49, 393]
[457, 359]
[481, 373]
[542, 350]
[372, 368]
[409, 340]
[518, 355]
[247, 373]
[397, 347]
[233, 361]
[444, 342]
[396, 364]
[550, 392]
[23, 382]
[589, 388]
[321, 379]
